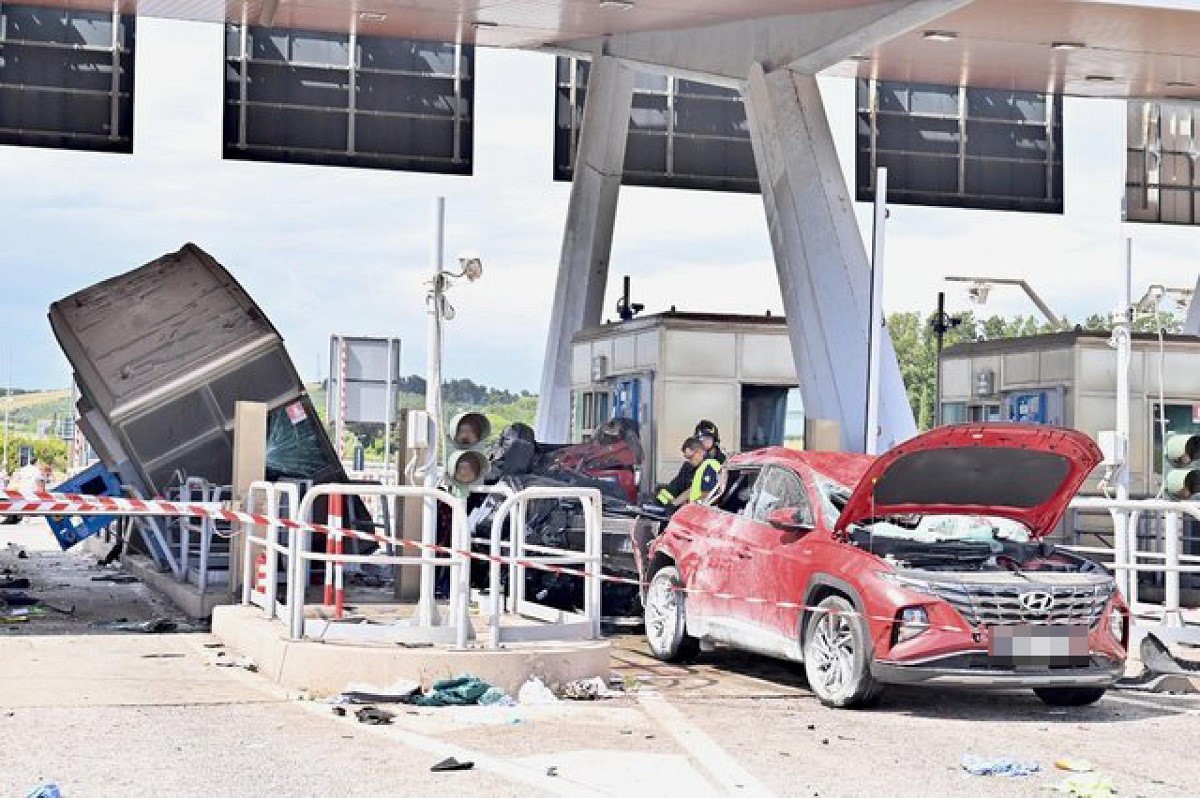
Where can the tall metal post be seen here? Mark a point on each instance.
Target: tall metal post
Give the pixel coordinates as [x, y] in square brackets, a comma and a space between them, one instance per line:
[1121, 337]
[426, 609]
[939, 328]
[878, 328]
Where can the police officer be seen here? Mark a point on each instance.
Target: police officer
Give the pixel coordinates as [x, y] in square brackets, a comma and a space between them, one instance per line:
[704, 478]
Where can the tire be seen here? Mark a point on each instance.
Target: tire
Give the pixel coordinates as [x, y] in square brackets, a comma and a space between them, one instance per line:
[665, 615]
[1070, 696]
[837, 656]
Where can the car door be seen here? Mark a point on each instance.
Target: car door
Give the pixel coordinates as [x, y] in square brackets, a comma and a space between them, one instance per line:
[702, 539]
[755, 545]
[794, 554]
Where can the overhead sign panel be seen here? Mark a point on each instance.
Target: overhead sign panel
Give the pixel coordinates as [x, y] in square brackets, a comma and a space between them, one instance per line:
[348, 100]
[960, 147]
[66, 78]
[682, 133]
[1162, 183]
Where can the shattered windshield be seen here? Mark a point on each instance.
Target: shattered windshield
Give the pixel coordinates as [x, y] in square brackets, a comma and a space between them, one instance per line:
[925, 528]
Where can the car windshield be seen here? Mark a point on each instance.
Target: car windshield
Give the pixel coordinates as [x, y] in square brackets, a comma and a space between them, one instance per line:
[931, 528]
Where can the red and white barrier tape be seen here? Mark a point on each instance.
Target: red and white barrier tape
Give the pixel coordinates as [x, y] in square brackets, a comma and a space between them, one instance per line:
[64, 504]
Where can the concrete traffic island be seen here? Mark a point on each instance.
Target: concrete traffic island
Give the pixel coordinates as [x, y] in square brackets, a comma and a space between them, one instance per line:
[326, 668]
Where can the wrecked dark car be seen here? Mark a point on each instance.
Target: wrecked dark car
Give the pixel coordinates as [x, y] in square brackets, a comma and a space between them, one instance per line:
[610, 464]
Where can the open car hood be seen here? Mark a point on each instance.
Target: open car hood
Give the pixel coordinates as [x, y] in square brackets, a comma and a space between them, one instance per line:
[1024, 472]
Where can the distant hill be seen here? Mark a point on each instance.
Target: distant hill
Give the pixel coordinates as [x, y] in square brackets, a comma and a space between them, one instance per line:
[28, 407]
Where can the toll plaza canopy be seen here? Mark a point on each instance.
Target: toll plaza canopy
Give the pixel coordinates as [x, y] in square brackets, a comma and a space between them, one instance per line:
[1093, 48]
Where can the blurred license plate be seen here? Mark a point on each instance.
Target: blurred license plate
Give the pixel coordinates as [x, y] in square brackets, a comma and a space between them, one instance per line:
[1060, 646]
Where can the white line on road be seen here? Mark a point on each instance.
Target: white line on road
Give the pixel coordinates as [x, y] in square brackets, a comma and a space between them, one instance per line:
[1166, 705]
[720, 766]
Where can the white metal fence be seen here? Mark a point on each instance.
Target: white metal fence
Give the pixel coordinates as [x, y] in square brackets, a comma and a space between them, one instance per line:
[286, 542]
[1127, 559]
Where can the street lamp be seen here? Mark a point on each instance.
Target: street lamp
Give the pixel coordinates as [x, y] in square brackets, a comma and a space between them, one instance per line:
[981, 287]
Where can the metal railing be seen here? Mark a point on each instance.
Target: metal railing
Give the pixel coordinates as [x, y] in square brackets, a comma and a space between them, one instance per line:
[197, 490]
[1126, 554]
[424, 626]
[276, 501]
[558, 624]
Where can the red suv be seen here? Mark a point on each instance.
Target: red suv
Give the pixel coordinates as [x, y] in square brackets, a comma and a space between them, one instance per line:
[926, 565]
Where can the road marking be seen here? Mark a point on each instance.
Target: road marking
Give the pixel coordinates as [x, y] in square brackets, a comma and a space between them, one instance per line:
[726, 771]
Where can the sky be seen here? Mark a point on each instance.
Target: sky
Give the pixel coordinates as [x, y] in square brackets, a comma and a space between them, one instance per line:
[330, 250]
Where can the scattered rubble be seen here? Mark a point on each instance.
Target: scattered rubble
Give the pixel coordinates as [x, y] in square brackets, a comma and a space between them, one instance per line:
[373, 716]
[997, 766]
[586, 690]
[535, 693]
[1090, 785]
[450, 764]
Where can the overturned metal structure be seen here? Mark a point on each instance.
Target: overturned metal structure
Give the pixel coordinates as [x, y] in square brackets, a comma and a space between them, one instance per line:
[162, 355]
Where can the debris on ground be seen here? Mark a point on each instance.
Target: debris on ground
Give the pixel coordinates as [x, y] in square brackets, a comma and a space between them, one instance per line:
[47, 790]
[552, 771]
[1161, 671]
[1074, 765]
[17, 599]
[997, 766]
[535, 693]
[15, 584]
[463, 691]
[586, 690]
[1089, 785]
[402, 692]
[451, 764]
[373, 716]
[116, 579]
[152, 626]
[245, 663]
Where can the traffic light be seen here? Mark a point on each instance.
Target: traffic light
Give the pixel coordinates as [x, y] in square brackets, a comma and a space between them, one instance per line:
[466, 462]
[1183, 453]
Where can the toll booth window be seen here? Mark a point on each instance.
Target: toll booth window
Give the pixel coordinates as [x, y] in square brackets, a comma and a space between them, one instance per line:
[954, 412]
[764, 416]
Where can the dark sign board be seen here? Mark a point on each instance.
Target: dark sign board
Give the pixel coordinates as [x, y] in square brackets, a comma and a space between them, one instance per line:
[66, 78]
[347, 100]
[960, 147]
[1162, 183]
[682, 134]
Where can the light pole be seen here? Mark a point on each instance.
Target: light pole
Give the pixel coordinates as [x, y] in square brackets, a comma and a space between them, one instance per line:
[942, 324]
[982, 286]
[440, 310]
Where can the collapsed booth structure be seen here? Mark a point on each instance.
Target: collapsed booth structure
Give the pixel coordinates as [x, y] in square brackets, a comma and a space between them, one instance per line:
[162, 355]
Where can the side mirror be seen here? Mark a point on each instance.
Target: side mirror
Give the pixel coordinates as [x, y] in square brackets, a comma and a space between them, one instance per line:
[789, 519]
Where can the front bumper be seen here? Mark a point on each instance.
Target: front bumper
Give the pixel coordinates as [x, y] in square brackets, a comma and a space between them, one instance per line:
[974, 670]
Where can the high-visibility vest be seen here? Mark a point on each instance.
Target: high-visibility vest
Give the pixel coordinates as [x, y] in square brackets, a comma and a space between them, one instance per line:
[709, 468]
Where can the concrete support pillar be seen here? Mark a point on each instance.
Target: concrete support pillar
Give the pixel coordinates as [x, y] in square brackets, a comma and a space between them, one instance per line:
[824, 273]
[587, 241]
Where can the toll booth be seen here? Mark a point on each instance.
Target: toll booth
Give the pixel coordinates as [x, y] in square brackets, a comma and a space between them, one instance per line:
[1069, 379]
[667, 371]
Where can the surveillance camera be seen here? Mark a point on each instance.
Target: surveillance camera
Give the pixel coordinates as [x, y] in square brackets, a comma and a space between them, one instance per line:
[472, 268]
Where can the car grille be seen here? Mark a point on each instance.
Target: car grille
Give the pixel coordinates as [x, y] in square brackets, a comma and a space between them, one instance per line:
[1001, 604]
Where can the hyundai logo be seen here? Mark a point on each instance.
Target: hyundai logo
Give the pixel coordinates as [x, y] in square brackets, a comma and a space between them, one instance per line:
[1037, 601]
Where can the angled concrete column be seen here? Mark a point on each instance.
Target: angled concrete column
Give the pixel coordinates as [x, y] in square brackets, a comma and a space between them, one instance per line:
[587, 241]
[824, 273]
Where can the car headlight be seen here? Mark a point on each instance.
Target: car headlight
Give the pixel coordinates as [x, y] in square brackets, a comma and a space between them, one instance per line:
[1116, 623]
[910, 622]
